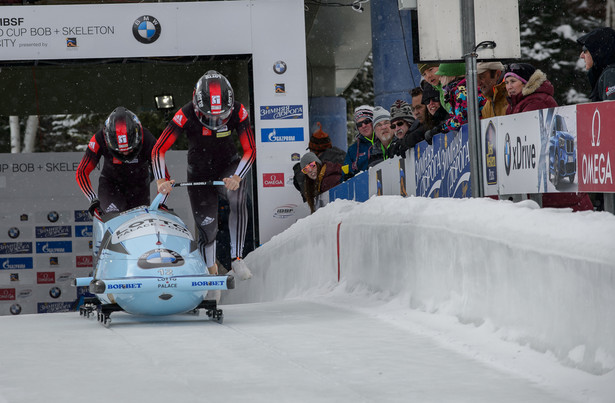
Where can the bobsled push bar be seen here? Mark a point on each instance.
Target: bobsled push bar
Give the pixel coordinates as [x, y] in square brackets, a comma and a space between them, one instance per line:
[205, 183]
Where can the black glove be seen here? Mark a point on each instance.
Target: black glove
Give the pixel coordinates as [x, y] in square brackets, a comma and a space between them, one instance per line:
[95, 207]
[429, 134]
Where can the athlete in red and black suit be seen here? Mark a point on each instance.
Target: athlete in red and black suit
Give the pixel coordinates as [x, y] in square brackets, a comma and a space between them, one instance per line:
[208, 122]
[126, 172]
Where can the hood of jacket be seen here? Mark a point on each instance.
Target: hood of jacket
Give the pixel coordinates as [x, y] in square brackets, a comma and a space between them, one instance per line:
[538, 83]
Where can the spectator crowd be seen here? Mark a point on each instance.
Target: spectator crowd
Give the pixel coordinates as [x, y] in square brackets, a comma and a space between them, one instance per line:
[440, 105]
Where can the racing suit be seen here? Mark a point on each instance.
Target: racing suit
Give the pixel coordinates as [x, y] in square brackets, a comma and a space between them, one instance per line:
[212, 155]
[121, 185]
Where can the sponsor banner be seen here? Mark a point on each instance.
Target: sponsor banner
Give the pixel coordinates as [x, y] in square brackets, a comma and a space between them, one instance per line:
[427, 168]
[596, 146]
[123, 30]
[7, 294]
[285, 211]
[15, 248]
[443, 169]
[454, 156]
[56, 231]
[489, 128]
[16, 263]
[54, 247]
[51, 307]
[82, 216]
[273, 180]
[45, 277]
[282, 134]
[281, 112]
[83, 231]
[83, 261]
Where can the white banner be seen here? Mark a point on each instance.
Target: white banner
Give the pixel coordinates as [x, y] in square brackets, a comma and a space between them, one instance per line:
[272, 31]
[126, 30]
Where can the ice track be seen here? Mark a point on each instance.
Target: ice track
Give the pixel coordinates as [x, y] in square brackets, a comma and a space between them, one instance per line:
[288, 351]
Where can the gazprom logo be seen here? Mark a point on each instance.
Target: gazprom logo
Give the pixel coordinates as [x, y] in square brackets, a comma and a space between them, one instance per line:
[54, 247]
[83, 231]
[282, 134]
[16, 263]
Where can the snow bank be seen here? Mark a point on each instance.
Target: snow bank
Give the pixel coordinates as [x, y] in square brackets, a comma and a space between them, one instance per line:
[541, 277]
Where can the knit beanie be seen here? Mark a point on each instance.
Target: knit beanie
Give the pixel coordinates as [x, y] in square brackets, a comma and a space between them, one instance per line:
[319, 140]
[363, 111]
[380, 114]
[307, 158]
[425, 66]
[401, 110]
[520, 71]
[451, 69]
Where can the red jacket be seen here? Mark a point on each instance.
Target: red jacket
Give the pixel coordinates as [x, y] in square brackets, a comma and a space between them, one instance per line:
[537, 94]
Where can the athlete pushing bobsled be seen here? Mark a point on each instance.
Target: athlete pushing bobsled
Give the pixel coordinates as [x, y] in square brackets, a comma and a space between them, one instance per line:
[209, 121]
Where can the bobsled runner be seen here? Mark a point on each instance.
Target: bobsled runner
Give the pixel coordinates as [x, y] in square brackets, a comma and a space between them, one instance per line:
[148, 263]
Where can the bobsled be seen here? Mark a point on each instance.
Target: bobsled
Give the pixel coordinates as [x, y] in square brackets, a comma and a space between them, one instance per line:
[148, 263]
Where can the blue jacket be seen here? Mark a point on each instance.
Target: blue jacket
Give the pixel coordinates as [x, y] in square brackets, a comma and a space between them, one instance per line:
[358, 161]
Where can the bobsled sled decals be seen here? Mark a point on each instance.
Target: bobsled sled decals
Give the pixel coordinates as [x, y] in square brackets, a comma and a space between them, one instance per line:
[143, 225]
[160, 258]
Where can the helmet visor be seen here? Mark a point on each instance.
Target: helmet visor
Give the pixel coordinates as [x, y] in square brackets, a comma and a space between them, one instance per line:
[212, 120]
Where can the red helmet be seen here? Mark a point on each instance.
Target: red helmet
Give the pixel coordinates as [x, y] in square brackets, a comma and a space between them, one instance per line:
[213, 100]
[123, 134]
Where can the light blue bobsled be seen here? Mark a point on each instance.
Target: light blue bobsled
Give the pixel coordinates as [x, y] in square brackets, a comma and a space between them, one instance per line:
[148, 263]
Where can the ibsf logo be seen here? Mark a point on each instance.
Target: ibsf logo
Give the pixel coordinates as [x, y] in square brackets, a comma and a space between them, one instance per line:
[285, 211]
[273, 180]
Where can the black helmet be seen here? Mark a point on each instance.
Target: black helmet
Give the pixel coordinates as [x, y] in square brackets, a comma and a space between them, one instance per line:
[123, 132]
[213, 100]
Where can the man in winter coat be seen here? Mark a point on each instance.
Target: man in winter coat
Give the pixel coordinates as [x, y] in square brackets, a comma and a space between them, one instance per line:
[599, 55]
[357, 156]
[386, 141]
[490, 79]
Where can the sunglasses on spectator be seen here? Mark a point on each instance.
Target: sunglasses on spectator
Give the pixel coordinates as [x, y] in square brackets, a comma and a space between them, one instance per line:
[363, 122]
[308, 167]
[397, 124]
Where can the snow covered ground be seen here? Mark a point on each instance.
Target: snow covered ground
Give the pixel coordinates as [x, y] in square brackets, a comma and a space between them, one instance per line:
[415, 316]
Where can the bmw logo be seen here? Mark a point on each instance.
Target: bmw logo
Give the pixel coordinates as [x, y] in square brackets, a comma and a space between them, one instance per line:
[53, 216]
[13, 232]
[507, 154]
[15, 309]
[146, 29]
[279, 67]
[55, 292]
